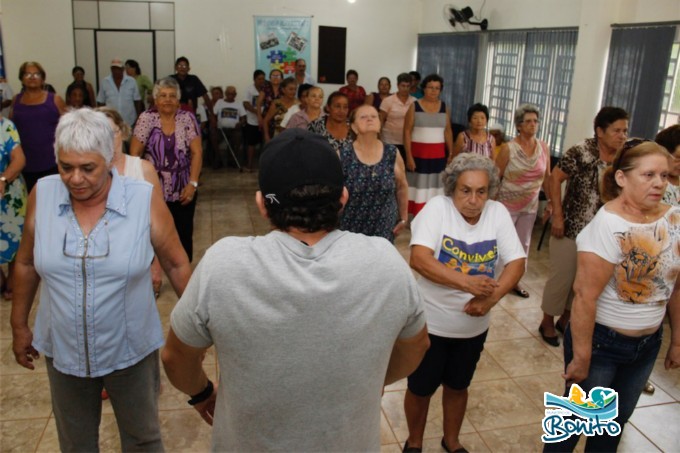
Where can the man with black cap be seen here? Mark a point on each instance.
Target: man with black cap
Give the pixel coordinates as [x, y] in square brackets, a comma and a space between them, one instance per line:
[309, 322]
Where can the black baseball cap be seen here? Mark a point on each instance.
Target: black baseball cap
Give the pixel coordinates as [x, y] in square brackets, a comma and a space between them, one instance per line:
[295, 158]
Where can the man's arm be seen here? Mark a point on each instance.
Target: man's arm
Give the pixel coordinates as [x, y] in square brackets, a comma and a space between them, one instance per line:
[183, 365]
[407, 354]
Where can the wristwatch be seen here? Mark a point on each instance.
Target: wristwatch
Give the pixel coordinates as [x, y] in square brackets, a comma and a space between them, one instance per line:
[194, 183]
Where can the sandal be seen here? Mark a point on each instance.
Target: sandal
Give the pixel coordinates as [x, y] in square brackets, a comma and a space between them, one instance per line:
[523, 293]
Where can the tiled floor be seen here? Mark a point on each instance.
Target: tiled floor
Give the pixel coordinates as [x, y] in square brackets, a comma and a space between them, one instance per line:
[506, 396]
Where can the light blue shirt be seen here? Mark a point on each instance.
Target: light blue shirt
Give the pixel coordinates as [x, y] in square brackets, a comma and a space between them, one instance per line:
[122, 99]
[97, 314]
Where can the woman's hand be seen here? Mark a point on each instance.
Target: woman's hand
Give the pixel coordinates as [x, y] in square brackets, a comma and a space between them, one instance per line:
[399, 227]
[480, 285]
[557, 227]
[410, 163]
[187, 195]
[24, 352]
[478, 306]
[547, 213]
[577, 371]
[672, 357]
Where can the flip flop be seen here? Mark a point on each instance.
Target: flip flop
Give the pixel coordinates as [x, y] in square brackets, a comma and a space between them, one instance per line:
[521, 293]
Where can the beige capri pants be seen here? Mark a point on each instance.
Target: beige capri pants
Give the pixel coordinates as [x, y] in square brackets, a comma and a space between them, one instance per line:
[558, 292]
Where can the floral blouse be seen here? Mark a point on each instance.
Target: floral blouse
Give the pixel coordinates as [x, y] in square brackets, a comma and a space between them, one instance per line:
[169, 154]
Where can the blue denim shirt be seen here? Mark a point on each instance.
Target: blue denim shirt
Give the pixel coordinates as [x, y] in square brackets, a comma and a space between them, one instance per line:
[97, 311]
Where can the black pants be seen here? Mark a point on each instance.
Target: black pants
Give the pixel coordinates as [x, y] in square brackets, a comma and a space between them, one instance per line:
[184, 223]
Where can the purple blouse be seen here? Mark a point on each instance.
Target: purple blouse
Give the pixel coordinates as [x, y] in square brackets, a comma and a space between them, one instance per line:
[169, 154]
[36, 125]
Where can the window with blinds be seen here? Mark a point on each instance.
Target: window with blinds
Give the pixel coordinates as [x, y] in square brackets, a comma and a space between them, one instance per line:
[534, 67]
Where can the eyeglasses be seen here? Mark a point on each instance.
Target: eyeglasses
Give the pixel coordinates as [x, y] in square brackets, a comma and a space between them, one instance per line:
[182, 66]
[32, 75]
[95, 245]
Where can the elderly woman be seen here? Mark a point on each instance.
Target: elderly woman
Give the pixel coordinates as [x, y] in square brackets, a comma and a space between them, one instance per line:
[375, 99]
[627, 275]
[271, 90]
[97, 322]
[524, 166]
[132, 167]
[170, 139]
[310, 112]
[476, 139]
[581, 166]
[35, 112]
[457, 241]
[393, 111]
[427, 137]
[279, 107]
[334, 125]
[375, 178]
[356, 95]
[12, 200]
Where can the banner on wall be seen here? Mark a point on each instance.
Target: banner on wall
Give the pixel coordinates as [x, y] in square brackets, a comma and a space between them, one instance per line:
[279, 41]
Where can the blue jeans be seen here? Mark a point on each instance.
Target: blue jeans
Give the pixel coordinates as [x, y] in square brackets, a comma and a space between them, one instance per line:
[621, 363]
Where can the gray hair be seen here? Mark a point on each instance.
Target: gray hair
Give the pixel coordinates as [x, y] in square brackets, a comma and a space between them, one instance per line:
[523, 110]
[470, 162]
[167, 82]
[84, 131]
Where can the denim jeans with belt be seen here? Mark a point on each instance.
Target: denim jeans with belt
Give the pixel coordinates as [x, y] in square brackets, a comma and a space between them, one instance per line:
[619, 362]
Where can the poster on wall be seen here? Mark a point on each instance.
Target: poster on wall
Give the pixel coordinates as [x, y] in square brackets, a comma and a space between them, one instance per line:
[279, 41]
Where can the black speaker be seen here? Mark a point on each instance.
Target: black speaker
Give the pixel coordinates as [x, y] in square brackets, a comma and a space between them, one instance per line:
[332, 47]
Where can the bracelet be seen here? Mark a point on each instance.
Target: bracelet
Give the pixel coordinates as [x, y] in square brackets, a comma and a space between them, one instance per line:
[204, 395]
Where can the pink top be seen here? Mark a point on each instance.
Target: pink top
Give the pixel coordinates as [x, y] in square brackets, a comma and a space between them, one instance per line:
[523, 178]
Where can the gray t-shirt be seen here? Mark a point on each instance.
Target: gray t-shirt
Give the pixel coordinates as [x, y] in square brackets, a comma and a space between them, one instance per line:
[303, 337]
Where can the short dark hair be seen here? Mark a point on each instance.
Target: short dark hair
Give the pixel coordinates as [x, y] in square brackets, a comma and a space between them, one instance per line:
[608, 115]
[257, 73]
[288, 81]
[669, 138]
[76, 69]
[133, 64]
[352, 72]
[432, 78]
[303, 88]
[312, 208]
[477, 108]
[404, 77]
[414, 75]
[333, 95]
[182, 59]
[385, 78]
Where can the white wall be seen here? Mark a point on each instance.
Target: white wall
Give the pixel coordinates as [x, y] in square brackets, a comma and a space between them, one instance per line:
[217, 36]
[593, 19]
[42, 31]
